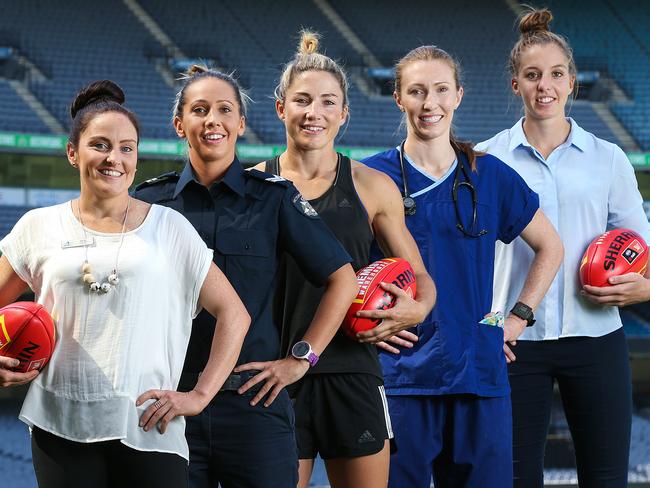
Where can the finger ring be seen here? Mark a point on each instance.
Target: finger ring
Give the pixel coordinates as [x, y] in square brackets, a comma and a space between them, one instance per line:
[157, 404]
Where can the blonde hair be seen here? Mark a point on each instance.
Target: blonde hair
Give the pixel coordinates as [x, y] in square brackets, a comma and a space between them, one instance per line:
[307, 58]
[434, 53]
[200, 71]
[534, 30]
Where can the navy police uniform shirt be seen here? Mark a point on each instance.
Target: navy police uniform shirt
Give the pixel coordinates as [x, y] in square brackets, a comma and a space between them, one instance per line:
[455, 354]
[249, 218]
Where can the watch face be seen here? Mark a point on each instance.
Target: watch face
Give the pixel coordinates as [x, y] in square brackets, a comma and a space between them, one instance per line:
[300, 349]
[522, 311]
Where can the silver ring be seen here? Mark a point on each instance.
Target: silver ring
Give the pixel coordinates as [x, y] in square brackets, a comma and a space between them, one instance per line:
[157, 404]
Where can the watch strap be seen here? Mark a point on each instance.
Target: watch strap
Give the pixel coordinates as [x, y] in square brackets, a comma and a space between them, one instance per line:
[312, 357]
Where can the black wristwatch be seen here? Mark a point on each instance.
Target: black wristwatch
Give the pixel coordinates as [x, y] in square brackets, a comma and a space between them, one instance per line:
[524, 312]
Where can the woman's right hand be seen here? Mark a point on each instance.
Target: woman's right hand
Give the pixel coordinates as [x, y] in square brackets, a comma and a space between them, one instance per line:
[12, 378]
[403, 338]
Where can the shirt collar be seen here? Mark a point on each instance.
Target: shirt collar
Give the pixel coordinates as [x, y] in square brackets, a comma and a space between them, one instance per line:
[577, 136]
[187, 175]
[234, 178]
[517, 136]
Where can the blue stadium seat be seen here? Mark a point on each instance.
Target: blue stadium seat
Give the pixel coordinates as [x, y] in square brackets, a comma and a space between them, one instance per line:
[255, 38]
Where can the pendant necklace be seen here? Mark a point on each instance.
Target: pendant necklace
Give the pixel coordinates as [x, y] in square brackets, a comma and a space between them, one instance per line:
[86, 271]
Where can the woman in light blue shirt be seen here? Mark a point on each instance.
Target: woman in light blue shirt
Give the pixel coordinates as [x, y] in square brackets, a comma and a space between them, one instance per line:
[586, 186]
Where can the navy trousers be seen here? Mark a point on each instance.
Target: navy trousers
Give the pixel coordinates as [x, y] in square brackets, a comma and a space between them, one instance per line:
[459, 440]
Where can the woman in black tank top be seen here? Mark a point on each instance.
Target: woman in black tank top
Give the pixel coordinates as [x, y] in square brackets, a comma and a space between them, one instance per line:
[359, 205]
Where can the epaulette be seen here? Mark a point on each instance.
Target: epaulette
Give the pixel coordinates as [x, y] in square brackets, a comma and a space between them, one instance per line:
[268, 177]
[171, 176]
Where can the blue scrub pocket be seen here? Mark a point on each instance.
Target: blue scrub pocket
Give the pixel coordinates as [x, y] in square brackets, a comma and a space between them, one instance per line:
[491, 367]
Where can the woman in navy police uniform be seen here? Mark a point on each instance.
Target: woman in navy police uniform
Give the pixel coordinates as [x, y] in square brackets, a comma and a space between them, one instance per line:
[250, 219]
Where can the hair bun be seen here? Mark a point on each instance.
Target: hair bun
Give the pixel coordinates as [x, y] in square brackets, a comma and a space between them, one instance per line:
[196, 69]
[95, 92]
[535, 21]
[308, 42]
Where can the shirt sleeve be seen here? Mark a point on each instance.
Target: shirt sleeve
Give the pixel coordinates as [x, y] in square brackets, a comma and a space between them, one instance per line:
[17, 247]
[190, 256]
[305, 236]
[517, 203]
[625, 204]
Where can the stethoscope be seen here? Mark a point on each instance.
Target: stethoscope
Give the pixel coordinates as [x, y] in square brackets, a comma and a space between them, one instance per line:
[410, 206]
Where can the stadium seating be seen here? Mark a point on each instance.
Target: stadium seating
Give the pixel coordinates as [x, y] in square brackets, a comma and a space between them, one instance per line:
[17, 115]
[613, 37]
[75, 42]
[15, 452]
[8, 218]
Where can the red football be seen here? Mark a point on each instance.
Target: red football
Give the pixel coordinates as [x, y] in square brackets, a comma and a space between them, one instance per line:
[371, 296]
[27, 334]
[613, 253]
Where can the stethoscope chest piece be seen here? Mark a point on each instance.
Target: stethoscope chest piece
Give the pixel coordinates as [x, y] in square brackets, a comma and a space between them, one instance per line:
[409, 205]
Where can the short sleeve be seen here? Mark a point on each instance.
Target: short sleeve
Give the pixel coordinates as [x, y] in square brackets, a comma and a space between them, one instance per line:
[517, 203]
[625, 204]
[18, 245]
[306, 237]
[191, 258]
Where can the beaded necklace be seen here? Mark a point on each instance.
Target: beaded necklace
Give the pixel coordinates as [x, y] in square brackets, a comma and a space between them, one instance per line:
[86, 270]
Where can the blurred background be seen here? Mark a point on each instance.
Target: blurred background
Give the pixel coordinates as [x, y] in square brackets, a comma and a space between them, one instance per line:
[49, 49]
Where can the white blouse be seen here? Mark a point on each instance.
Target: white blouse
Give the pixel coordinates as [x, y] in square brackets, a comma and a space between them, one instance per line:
[111, 347]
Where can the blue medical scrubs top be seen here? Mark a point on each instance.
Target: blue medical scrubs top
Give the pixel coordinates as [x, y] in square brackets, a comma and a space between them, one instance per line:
[249, 218]
[455, 354]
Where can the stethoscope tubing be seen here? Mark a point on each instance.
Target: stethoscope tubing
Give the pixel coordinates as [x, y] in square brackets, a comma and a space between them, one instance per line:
[410, 206]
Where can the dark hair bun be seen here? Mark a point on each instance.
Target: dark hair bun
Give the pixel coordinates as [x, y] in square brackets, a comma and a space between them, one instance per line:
[96, 92]
[535, 21]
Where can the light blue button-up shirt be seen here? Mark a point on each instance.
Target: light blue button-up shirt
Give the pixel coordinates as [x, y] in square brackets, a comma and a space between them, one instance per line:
[586, 186]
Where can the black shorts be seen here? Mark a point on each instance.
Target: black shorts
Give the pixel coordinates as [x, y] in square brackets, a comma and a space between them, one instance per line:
[340, 415]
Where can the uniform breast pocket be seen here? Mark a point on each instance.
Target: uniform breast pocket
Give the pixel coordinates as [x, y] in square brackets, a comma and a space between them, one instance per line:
[249, 259]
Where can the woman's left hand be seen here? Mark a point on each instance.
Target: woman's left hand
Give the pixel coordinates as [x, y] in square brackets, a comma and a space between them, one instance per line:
[169, 404]
[406, 313]
[513, 326]
[277, 374]
[624, 290]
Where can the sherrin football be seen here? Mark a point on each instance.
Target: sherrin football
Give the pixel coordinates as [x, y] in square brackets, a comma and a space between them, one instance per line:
[372, 296]
[616, 252]
[26, 333]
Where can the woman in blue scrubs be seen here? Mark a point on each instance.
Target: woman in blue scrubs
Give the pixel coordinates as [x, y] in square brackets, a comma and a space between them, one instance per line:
[448, 396]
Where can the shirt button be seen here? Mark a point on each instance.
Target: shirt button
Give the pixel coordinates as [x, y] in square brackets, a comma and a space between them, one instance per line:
[247, 247]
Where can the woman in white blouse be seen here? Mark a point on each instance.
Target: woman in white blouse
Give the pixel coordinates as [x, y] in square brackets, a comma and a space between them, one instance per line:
[122, 280]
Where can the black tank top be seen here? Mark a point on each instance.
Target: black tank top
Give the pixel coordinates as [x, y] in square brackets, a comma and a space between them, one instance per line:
[297, 299]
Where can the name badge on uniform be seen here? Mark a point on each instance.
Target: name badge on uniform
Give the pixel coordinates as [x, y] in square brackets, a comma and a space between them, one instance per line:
[87, 242]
